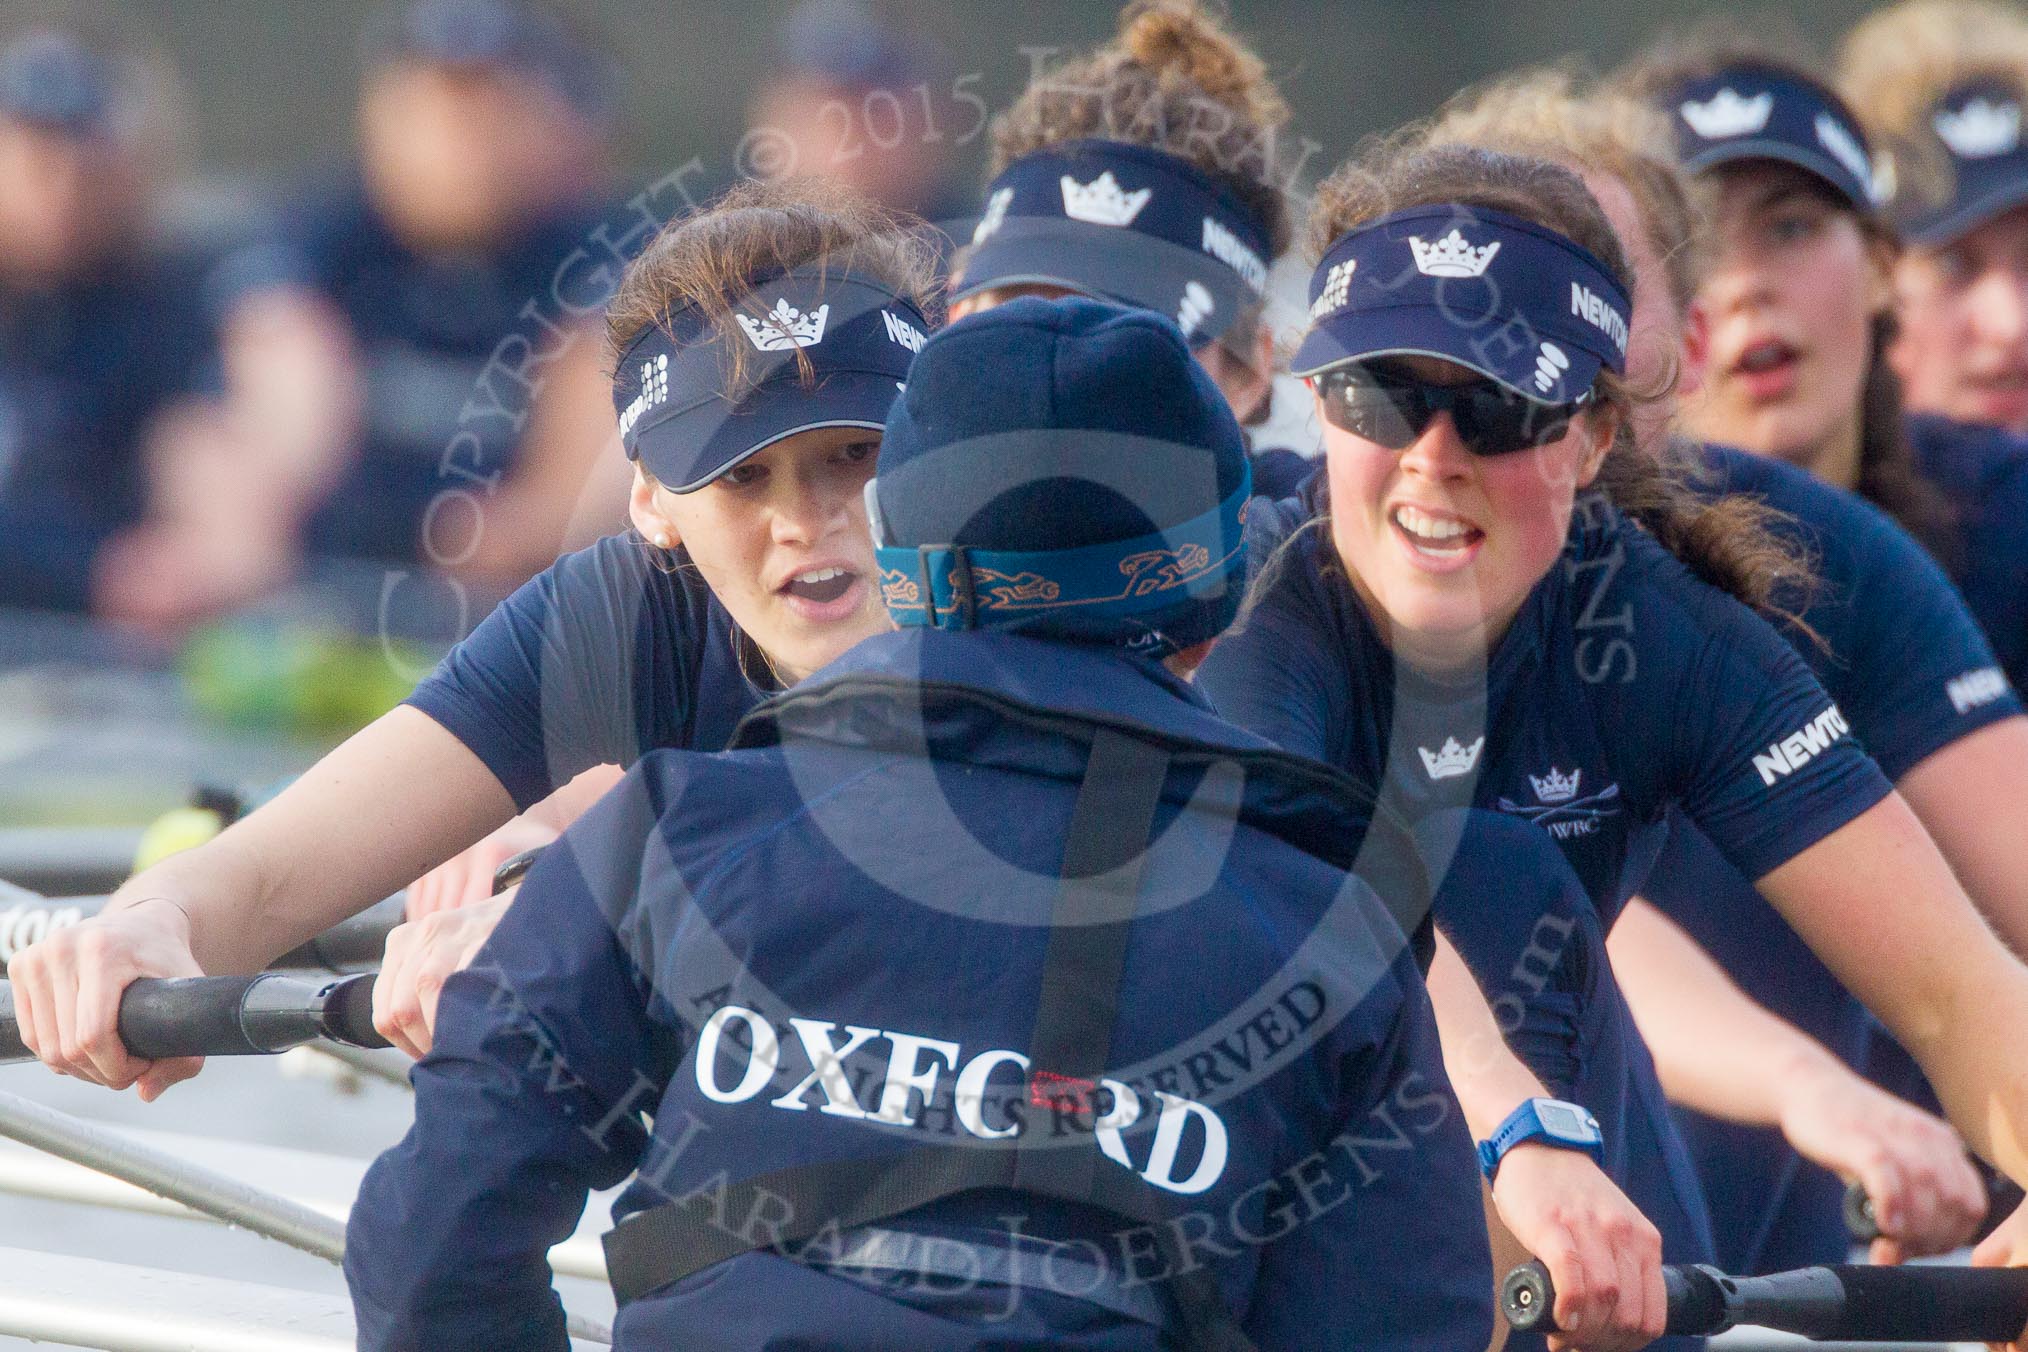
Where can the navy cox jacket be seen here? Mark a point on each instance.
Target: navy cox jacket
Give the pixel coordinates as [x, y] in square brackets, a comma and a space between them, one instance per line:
[826, 945]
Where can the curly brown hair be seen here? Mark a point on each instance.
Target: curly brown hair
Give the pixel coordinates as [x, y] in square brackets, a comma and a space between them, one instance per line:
[1177, 80]
[714, 258]
[1729, 541]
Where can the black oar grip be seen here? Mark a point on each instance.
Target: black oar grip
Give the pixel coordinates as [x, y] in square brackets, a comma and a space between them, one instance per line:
[188, 1016]
[1932, 1304]
[1696, 1303]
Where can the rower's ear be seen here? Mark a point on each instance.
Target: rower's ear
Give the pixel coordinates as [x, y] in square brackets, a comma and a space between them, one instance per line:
[644, 507]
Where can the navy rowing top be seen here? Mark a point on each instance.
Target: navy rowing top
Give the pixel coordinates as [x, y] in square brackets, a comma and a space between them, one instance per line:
[599, 659]
[1625, 687]
[1983, 472]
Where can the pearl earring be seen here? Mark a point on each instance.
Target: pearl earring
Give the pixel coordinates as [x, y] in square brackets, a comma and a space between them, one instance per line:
[662, 540]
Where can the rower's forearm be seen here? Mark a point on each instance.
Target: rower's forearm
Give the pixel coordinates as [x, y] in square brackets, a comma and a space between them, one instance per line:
[1976, 1058]
[1489, 1080]
[1715, 1048]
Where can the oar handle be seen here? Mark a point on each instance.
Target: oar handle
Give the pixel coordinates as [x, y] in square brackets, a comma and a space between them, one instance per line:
[254, 1015]
[1920, 1304]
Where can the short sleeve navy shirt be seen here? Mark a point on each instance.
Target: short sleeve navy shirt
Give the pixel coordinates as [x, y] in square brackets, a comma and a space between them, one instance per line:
[597, 660]
[1983, 473]
[1624, 687]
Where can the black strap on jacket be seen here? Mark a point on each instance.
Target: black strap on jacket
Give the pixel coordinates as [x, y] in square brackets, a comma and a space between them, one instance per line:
[1104, 858]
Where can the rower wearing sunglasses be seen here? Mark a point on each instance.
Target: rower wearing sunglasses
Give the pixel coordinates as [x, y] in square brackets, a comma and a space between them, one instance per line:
[1499, 602]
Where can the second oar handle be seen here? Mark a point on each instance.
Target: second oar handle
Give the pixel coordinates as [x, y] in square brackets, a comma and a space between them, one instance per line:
[243, 1015]
[1916, 1304]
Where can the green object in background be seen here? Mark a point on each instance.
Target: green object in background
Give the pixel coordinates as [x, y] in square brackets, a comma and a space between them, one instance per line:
[175, 831]
[295, 678]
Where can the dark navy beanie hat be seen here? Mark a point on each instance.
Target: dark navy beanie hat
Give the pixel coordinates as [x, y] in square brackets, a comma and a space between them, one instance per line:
[1063, 468]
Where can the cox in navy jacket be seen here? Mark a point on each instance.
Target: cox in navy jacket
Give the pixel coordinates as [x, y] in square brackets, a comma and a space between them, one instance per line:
[822, 945]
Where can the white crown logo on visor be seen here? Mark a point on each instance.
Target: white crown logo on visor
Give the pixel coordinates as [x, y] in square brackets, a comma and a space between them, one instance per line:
[1451, 760]
[1100, 202]
[1550, 364]
[995, 215]
[1728, 113]
[1833, 136]
[1451, 256]
[654, 389]
[785, 327]
[1980, 130]
[1555, 787]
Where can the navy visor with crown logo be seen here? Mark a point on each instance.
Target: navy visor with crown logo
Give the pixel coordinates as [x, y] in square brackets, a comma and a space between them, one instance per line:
[1978, 125]
[1753, 112]
[1509, 299]
[813, 350]
[1124, 223]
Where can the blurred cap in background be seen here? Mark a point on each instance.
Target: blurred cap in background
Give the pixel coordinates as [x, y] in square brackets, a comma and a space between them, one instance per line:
[51, 79]
[499, 36]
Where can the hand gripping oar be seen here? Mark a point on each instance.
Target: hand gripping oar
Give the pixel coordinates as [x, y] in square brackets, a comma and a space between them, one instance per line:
[226, 1016]
[1924, 1304]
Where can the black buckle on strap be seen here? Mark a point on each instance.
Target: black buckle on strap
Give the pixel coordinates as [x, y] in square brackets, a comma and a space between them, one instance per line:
[964, 589]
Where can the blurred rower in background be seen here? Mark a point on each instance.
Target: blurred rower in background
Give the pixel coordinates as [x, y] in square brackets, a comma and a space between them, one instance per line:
[421, 298]
[1940, 85]
[104, 347]
[854, 99]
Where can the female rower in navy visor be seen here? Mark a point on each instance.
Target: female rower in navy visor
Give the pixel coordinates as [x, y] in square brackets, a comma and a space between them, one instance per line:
[1539, 615]
[1107, 182]
[1789, 338]
[1892, 640]
[757, 346]
[1941, 88]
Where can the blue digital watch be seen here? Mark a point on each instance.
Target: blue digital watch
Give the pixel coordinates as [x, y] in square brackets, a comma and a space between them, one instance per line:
[1567, 1126]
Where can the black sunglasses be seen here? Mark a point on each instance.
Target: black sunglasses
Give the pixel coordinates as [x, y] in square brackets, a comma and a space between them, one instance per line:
[1391, 408]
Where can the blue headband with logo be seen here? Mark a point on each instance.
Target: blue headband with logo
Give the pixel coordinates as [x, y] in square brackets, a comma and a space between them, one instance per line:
[953, 586]
[1508, 298]
[1978, 124]
[1749, 112]
[1125, 223]
[853, 338]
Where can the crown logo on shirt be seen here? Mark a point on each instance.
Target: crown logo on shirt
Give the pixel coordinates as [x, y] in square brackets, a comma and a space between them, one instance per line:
[1980, 130]
[1556, 787]
[785, 327]
[1452, 759]
[1836, 138]
[1101, 202]
[1451, 256]
[1728, 113]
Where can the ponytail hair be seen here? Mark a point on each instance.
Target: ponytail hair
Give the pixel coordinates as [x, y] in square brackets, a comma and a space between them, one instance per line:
[1176, 80]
